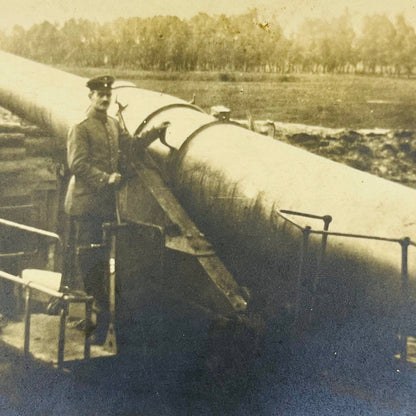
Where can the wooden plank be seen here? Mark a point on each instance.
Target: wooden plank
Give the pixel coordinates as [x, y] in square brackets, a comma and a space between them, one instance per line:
[188, 239]
[12, 153]
[13, 166]
[21, 129]
[12, 140]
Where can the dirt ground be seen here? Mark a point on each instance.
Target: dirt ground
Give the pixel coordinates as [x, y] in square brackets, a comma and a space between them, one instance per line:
[336, 370]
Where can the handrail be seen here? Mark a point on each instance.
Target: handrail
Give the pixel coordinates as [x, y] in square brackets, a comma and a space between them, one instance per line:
[279, 213]
[363, 236]
[65, 297]
[308, 215]
[335, 233]
[29, 229]
[14, 207]
[404, 242]
[18, 254]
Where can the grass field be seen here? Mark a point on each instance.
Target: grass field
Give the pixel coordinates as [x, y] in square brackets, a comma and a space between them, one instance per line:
[350, 101]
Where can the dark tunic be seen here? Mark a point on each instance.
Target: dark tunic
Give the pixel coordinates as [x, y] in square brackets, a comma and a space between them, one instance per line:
[93, 154]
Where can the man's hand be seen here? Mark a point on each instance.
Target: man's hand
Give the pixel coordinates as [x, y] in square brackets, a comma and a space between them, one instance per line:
[149, 136]
[114, 179]
[162, 125]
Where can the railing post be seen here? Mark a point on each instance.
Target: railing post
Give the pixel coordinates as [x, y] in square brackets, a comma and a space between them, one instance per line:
[26, 345]
[61, 341]
[327, 219]
[404, 297]
[18, 289]
[110, 343]
[304, 249]
[88, 323]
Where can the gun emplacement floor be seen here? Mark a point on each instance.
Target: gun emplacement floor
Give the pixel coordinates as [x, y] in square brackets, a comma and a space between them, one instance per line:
[44, 337]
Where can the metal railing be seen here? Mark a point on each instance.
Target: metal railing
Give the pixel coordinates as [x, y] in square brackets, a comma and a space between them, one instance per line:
[65, 296]
[32, 230]
[307, 231]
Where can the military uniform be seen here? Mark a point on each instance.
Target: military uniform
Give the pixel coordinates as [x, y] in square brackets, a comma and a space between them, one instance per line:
[93, 155]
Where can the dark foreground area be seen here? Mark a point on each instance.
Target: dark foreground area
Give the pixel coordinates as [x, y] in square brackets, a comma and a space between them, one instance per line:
[336, 369]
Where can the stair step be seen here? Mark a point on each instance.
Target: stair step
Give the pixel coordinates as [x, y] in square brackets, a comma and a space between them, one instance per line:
[40, 146]
[16, 166]
[12, 153]
[18, 128]
[12, 140]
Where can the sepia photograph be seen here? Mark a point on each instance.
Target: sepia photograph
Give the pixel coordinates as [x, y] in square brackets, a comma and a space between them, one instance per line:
[207, 208]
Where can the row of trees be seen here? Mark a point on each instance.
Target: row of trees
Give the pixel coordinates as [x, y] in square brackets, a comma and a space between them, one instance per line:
[222, 43]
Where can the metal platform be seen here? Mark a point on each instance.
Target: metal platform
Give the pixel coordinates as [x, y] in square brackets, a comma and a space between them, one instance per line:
[44, 340]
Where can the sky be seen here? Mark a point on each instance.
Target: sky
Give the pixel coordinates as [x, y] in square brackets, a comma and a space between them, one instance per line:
[290, 12]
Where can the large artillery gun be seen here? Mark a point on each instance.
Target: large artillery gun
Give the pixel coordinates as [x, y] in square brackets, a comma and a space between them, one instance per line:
[255, 199]
[163, 261]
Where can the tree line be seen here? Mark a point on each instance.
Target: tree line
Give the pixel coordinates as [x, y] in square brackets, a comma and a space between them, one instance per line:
[222, 43]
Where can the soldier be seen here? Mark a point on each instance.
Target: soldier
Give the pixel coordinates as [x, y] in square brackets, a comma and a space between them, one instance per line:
[93, 161]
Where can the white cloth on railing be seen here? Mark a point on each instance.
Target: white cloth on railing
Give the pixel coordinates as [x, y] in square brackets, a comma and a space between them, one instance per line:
[46, 278]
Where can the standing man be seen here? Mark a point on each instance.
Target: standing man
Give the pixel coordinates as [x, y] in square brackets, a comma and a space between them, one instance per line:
[93, 158]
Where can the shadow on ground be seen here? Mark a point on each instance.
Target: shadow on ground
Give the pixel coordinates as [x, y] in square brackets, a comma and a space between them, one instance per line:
[337, 369]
